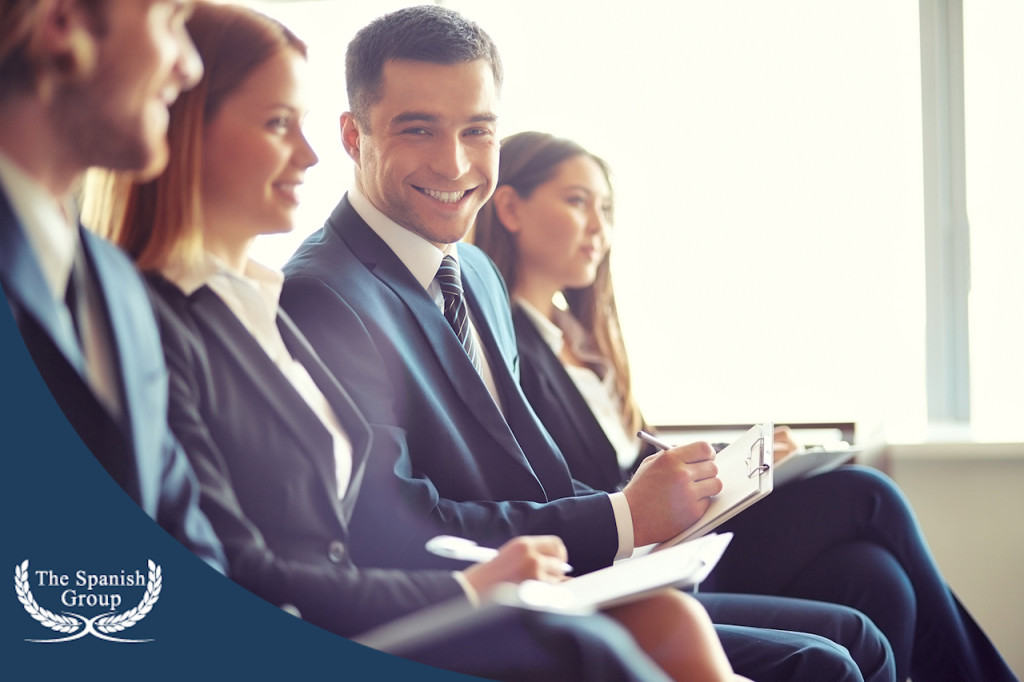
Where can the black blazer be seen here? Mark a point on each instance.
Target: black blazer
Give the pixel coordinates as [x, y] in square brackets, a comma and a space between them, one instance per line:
[266, 468]
[470, 469]
[136, 448]
[549, 388]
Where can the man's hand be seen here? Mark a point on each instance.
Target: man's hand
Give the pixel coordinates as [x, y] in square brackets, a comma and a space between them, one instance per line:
[529, 557]
[670, 491]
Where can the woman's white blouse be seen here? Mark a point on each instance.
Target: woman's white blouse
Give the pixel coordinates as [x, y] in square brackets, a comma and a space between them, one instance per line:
[254, 297]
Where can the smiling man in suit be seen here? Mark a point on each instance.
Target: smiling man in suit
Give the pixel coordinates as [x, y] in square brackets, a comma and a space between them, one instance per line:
[87, 83]
[418, 328]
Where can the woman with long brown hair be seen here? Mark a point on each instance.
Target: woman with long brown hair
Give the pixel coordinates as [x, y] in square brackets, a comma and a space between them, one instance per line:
[846, 536]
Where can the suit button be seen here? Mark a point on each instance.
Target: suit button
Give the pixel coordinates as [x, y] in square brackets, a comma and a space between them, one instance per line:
[336, 552]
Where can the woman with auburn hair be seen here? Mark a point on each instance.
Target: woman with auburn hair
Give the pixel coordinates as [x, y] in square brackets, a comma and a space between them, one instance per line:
[279, 448]
[846, 536]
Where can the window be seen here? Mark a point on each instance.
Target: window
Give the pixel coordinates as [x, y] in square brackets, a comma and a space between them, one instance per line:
[994, 74]
[769, 249]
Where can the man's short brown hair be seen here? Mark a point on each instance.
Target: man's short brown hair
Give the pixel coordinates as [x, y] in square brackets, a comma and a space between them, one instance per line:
[427, 33]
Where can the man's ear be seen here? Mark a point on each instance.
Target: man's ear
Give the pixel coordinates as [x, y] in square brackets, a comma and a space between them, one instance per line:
[506, 207]
[351, 136]
[65, 41]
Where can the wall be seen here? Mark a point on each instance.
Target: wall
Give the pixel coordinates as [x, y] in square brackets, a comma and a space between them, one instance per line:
[969, 499]
[970, 502]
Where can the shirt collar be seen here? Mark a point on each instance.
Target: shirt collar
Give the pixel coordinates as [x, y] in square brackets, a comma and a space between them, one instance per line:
[49, 225]
[563, 329]
[551, 333]
[190, 277]
[420, 256]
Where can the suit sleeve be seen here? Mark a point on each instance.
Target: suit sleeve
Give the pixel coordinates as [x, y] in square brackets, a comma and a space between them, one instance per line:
[179, 511]
[585, 522]
[328, 591]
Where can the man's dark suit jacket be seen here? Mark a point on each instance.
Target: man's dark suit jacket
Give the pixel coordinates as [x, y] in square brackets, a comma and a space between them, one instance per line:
[563, 410]
[137, 449]
[381, 334]
[265, 463]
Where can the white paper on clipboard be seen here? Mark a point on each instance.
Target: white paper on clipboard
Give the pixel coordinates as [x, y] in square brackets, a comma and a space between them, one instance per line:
[745, 468]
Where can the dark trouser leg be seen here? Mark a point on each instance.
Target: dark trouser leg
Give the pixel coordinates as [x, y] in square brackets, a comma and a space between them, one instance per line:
[795, 541]
[772, 638]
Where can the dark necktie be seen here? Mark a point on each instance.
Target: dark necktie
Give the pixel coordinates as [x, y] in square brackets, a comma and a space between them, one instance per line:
[74, 298]
[455, 309]
[100, 370]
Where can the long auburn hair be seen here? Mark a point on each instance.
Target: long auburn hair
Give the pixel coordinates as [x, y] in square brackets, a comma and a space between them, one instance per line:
[528, 160]
[161, 219]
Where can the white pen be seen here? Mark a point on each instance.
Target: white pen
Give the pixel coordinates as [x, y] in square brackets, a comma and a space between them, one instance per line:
[648, 438]
[452, 547]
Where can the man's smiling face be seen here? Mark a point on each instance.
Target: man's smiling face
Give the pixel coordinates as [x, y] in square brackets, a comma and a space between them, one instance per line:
[429, 157]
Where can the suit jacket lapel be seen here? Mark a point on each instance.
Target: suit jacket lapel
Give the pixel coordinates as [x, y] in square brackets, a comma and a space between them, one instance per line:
[387, 267]
[221, 326]
[27, 289]
[356, 428]
[120, 317]
[573, 407]
[24, 283]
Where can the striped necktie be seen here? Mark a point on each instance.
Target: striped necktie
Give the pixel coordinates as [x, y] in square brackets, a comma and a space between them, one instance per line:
[455, 309]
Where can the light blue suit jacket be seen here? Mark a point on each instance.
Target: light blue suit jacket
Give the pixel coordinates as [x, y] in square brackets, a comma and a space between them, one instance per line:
[137, 449]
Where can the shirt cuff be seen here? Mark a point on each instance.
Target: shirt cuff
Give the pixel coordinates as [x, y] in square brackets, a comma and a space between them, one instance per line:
[624, 524]
[471, 595]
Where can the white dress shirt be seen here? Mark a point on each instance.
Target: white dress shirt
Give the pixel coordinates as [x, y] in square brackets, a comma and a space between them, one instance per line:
[254, 297]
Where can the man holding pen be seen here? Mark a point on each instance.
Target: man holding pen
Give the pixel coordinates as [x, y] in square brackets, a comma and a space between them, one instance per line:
[418, 328]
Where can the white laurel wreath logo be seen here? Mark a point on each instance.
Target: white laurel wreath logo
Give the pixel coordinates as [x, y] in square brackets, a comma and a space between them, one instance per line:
[77, 626]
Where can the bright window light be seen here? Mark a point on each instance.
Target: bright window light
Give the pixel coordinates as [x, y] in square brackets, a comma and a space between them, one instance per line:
[769, 212]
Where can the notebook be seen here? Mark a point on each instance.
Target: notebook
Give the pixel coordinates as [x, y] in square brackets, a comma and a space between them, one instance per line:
[683, 565]
[627, 580]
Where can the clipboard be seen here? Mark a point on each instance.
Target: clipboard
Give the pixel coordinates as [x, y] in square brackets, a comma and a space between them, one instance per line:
[746, 468]
[684, 565]
[806, 463]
